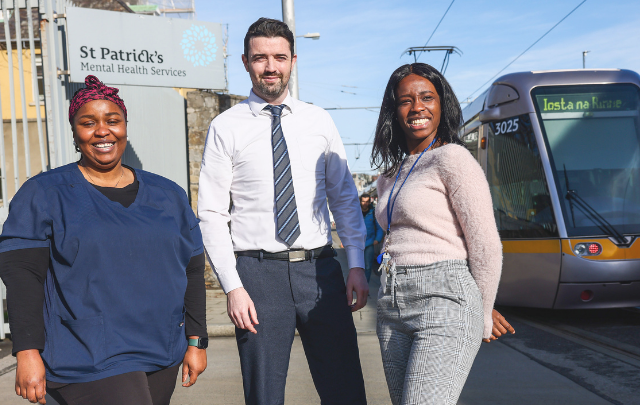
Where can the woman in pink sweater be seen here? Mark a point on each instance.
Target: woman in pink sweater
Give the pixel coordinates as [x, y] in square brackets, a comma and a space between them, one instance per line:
[442, 254]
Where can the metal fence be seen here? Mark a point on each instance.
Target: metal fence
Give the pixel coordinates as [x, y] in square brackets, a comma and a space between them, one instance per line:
[31, 77]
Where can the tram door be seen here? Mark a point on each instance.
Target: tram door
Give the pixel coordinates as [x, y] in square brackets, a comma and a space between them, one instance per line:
[522, 208]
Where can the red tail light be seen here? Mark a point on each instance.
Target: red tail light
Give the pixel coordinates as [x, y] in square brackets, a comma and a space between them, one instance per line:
[586, 295]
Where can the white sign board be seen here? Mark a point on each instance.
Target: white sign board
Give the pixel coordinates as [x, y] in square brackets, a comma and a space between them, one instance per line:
[143, 50]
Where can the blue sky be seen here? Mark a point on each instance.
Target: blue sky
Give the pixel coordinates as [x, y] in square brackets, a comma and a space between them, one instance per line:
[362, 42]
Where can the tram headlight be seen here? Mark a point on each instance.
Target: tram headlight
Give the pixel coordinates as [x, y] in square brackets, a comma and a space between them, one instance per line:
[587, 249]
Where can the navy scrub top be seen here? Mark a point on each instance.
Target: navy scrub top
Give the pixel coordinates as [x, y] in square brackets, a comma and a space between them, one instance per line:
[114, 293]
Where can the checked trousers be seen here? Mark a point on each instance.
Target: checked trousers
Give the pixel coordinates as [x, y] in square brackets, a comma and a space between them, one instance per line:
[430, 330]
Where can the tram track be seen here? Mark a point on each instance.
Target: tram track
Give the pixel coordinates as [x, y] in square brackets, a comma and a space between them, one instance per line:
[615, 349]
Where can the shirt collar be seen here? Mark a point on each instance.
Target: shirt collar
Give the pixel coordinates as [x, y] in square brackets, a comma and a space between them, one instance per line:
[257, 105]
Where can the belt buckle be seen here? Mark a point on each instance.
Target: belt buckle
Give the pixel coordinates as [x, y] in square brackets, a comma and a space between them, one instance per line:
[297, 256]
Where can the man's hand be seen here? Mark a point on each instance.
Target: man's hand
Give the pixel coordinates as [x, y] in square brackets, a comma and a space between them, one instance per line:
[500, 327]
[356, 281]
[31, 381]
[375, 242]
[241, 310]
[194, 363]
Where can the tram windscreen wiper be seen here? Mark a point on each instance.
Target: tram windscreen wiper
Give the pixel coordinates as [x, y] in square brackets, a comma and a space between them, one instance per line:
[566, 179]
[593, 215]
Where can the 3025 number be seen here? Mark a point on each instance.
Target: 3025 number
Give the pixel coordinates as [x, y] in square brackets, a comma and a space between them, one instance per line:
[506, 126]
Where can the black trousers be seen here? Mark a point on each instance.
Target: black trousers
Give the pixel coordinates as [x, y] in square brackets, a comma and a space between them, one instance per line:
[136, 388]
[309, 296]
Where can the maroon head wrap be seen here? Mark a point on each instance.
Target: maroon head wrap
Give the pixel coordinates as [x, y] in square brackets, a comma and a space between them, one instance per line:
[94, 90]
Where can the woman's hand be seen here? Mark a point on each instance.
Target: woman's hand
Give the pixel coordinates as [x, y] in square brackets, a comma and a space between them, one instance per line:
[500, 327]
[31, 382]
[194, 363]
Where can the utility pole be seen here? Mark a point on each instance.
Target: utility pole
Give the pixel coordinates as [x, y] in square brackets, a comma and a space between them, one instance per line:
[289, 18]
[584, 59]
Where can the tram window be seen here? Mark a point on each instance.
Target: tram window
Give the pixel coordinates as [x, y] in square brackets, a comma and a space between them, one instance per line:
[593, 136]
[521, 201]
[471, 142]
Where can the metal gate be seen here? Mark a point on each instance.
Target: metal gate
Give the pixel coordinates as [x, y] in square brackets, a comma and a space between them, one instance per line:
[35, 90]
[25, 33]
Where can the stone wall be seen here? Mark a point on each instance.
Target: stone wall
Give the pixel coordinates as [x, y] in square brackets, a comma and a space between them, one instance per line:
[202, 107]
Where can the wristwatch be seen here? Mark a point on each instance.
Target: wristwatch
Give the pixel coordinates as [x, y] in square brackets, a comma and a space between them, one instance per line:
[200, 343]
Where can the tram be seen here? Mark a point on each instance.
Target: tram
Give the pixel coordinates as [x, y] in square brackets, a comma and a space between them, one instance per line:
[561, 152]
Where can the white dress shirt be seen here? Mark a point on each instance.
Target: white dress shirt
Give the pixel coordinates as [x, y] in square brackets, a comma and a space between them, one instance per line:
[238, 164]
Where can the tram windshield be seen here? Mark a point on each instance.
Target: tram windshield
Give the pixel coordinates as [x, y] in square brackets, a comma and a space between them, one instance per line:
[593, 137]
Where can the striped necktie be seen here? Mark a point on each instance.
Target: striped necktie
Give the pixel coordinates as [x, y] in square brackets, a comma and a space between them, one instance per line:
[288, 227]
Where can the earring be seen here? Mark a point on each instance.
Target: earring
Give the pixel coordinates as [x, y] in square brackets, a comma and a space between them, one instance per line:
[75, 145]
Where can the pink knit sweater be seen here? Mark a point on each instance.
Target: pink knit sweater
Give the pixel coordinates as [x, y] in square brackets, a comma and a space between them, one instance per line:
[444, 212]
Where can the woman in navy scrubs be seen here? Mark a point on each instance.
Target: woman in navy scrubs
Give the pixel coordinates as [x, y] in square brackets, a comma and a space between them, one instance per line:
[104, 272]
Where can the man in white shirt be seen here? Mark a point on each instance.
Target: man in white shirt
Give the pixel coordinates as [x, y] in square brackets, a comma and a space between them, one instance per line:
[279, 159]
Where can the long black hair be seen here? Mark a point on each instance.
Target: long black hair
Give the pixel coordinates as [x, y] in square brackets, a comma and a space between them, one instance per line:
[389, 145]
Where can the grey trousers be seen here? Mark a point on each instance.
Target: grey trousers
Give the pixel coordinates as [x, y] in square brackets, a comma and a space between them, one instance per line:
[430, 324]
[309, 296]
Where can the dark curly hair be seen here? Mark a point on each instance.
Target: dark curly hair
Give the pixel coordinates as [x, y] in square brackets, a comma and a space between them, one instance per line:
[389, 145]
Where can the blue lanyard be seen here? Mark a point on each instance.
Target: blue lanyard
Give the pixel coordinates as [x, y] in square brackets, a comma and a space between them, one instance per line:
[392, 205]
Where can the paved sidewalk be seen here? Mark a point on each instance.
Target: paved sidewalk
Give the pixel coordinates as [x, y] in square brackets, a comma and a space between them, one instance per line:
[221, 384]
[500, 376]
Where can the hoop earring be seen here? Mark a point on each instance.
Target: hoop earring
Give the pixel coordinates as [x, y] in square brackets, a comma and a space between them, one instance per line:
[75, 145]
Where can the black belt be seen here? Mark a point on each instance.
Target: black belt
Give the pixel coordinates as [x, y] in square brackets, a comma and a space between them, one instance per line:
[299, 255]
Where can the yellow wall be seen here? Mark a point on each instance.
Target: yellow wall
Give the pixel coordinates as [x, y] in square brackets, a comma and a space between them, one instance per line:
[4, 85]
[35, 164]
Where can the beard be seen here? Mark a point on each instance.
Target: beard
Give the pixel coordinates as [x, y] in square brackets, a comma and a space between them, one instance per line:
[274, 90]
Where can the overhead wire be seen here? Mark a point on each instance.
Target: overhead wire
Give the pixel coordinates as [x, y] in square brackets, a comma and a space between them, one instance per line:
[326, 99]
[352, 90]
[340, 85]
[351, 108]
[436, 28]
[525, 51]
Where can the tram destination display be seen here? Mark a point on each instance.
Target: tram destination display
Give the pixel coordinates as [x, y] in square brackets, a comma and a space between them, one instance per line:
[587, 102]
